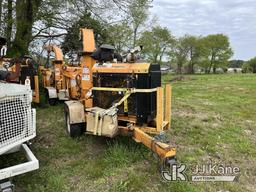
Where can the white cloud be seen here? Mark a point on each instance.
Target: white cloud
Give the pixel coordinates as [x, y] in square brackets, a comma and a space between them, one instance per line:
[235, 18]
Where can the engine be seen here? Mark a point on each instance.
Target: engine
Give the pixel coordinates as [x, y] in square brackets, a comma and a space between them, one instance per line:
[127, 75]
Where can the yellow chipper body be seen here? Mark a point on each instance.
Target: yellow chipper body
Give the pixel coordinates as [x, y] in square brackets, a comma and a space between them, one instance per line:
[107, 97]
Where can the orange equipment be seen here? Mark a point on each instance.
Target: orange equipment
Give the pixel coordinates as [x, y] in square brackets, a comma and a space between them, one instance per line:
[52, 78]
[64, 81]
[110, 98]
[18, 70]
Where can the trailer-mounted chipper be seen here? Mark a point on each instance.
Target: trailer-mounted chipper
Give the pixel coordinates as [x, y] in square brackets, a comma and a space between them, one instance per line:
[52, 77]
[112, 97]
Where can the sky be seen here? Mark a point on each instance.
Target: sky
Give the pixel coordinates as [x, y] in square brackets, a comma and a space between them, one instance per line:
[235, 18]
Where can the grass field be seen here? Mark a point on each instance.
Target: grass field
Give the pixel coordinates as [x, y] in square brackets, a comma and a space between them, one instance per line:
[213, 121]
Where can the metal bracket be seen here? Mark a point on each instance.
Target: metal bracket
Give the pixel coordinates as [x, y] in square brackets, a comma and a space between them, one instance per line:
[6, 187]
[31, 165]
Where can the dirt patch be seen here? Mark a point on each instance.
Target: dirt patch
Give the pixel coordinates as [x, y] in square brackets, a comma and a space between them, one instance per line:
[249, 130]
[75, 180]
[204, 117]
[44, 124]
[46, 140]
[181, 78]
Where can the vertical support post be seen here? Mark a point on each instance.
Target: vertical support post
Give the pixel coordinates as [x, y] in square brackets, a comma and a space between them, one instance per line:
[57, 75]
[160, 111]
[36, 91]
[64, 84]
[168, 102]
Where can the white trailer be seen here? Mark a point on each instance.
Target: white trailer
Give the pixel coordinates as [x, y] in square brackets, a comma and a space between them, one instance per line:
[17, 127]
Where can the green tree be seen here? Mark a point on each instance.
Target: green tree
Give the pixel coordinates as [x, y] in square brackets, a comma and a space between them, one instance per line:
[178, 53]
[137, 15]
[119, 35]
[26, 11]
[40, 21]
[193, 46]
[1, 12]
[250, 66]
[217, 51]
[72, 41]
[9, 21]
[6, 19]
[156, 43]
[236, 63]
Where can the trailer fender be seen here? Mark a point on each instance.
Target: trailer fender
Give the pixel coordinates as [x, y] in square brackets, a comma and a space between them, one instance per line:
[75, 109]
[52, 92]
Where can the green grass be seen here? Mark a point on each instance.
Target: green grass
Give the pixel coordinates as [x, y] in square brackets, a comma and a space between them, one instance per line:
[213, 120]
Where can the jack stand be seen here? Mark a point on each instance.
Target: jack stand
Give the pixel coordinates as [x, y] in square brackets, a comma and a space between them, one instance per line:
[6, 186]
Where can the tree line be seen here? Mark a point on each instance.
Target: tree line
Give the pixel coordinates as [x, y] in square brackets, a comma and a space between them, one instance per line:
[187, 53]
[249, 66]
[27, 24]
[30, 24]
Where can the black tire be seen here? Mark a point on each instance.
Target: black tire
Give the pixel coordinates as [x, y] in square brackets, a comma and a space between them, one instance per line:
[73, 130]
[50, 101]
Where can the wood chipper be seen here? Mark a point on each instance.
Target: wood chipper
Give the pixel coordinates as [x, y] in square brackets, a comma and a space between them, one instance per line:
[17, 70]
[52, 78]
[119, 98]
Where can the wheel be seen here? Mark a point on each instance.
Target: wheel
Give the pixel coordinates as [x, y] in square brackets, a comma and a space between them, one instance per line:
[74, 130]
[50, 101]
[171, 161]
